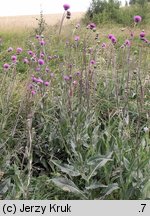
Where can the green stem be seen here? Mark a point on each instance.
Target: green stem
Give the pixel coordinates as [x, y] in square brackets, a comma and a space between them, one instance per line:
[62, 20]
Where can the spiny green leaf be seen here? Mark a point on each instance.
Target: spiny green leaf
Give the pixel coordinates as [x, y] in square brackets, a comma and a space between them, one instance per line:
[110, 189]
[67, 185]
[68, 169]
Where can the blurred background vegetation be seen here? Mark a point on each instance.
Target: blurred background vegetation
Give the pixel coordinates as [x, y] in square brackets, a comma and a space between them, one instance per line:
[111, 11]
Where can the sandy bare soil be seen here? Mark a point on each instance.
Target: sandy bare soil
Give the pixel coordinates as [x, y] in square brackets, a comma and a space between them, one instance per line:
[30, 21]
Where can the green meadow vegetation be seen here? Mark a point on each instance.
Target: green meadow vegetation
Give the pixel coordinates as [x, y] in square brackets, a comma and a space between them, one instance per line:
[75, 108]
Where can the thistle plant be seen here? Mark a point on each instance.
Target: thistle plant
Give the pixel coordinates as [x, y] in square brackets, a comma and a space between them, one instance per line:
[74, 117]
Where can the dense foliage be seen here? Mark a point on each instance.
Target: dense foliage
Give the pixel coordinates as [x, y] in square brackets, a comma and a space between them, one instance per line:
[103, 11]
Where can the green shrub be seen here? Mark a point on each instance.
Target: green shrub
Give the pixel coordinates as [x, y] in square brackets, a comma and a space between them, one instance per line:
[102, 12]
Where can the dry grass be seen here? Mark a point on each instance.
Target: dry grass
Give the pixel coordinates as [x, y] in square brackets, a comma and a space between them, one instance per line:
[21, 22]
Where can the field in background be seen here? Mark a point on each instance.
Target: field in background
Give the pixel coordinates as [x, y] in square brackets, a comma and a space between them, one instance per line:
[19, 22]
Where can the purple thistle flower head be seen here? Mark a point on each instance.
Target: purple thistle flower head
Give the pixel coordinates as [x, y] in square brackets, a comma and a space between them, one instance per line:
[50, 57]
[78, 73]
[25, 61]
[92, 62]
[92, 26]
[6, 66]
[103, 45]
[52, 75]
[41, 55]
[46, 83]
[47, 69]
[34, 79]
[10, 49]
[66, 78]
[33, 92]
[78, 25]
[110, 36]
[39, 80]
[75, 82]
[42, 42]
[30, 53]
[30, 86]
[122, 46]
[37, 36]
[132, 35]
[38, 69]
[41, 62]
[70, 77]
[113, 39]
[66, 7]
[127, 43]
[77, 38]
[142, 34]
[19, 50]
[88, 26]
[14, 58]
[137, 19]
